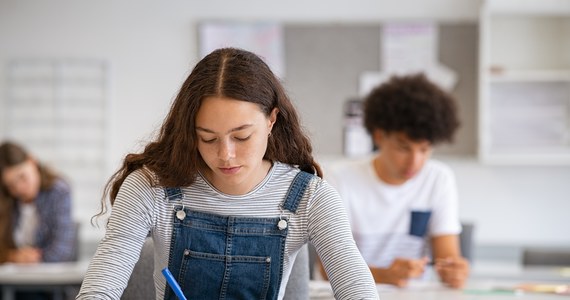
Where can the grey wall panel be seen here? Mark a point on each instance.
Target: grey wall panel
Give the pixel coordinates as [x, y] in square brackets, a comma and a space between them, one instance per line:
[458, 49]
[324, 62]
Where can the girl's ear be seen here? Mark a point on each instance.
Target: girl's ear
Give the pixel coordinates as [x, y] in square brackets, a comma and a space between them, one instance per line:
[377, 136]
[273, 117]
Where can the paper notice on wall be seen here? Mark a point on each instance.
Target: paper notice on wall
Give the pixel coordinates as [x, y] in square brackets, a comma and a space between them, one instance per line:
[409, 48]
[264, 39]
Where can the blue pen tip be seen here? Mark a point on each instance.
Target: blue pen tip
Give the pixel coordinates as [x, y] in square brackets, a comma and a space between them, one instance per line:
[173, 284]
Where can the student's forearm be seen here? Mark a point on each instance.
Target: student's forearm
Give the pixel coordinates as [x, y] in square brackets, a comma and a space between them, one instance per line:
[380, 275]
[385, 276]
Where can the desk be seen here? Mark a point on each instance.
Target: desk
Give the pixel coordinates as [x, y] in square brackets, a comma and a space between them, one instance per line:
[45, 277]
[509, 271]
[476, 290]
[487, 282]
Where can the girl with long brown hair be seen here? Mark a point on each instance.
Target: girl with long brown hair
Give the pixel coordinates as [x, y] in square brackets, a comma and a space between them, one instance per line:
[36, 222]
[229, 192]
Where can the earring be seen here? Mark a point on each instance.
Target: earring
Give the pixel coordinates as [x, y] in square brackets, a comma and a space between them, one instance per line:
[269, 135]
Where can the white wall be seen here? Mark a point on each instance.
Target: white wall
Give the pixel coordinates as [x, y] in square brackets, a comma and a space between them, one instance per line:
[514, 205]
[151, 47]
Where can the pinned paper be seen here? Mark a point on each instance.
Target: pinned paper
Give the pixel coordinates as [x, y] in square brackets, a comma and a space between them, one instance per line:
[262, 38]
[409, 48]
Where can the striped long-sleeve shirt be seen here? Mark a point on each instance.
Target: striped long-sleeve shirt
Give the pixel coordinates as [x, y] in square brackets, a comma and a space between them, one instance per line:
[141, 207]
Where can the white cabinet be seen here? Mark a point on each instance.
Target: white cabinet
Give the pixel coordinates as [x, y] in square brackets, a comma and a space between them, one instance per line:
[524, 94]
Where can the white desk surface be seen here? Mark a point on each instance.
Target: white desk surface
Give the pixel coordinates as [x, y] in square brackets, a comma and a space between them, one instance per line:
[510, 271]
[43, 274]
[487, 282]
[476, 290]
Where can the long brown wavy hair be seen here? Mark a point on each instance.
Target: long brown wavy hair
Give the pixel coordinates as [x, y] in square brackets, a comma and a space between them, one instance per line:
[228, 72]
[11, 155]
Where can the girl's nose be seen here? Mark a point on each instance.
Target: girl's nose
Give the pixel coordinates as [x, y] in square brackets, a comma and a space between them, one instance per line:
[226, 150]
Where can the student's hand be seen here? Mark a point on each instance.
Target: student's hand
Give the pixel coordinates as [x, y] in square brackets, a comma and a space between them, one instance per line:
[26, 255]
[453, 271]
[400, 271]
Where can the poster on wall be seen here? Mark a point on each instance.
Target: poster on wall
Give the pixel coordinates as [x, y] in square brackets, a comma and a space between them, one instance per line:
[263, 38]
[409, 48]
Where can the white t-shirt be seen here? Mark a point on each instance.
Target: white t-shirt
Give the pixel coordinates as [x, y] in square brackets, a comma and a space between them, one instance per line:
[380, 214]
[27, 227]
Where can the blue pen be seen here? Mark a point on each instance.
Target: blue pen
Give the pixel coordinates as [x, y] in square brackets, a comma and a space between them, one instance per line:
[173, 284]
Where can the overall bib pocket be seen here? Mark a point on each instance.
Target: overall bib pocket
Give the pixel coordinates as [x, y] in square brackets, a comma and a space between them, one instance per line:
[209, 266]
[226, 257]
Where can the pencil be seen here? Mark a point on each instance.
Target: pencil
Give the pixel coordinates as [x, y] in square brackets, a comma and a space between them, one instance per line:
[173, 284]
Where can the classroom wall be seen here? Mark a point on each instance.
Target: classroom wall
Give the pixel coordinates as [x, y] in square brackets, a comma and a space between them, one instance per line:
[151, 46]
[325, 61]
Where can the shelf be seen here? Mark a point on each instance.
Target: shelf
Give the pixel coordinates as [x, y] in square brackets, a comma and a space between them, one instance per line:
[510, 75]
[524, 104]
[528, 43]
[536, 159]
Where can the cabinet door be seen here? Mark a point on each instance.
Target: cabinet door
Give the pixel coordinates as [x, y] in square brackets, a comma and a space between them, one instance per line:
[525, 83]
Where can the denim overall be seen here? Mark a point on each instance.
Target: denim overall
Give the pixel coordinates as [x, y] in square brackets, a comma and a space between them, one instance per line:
[229, 257]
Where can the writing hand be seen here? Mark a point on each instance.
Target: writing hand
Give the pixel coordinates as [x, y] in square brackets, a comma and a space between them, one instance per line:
[402, 269]
[453, 271]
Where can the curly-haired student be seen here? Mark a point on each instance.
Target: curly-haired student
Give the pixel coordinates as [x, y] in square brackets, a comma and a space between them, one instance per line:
[400, 202]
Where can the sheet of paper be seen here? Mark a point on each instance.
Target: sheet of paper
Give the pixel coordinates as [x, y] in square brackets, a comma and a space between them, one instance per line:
[264, 39]
[409, 48]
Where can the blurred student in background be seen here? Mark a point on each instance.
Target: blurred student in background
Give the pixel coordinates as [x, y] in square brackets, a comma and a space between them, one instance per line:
[35, 210]
[400, 202]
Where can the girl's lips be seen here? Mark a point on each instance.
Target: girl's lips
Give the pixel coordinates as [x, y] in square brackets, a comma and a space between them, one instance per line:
[230, 171]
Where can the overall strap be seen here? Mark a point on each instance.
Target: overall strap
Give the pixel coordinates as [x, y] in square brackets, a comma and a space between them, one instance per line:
[173, 193]
[296, 191]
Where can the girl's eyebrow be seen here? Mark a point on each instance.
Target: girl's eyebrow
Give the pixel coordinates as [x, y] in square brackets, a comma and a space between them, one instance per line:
[242, 127]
